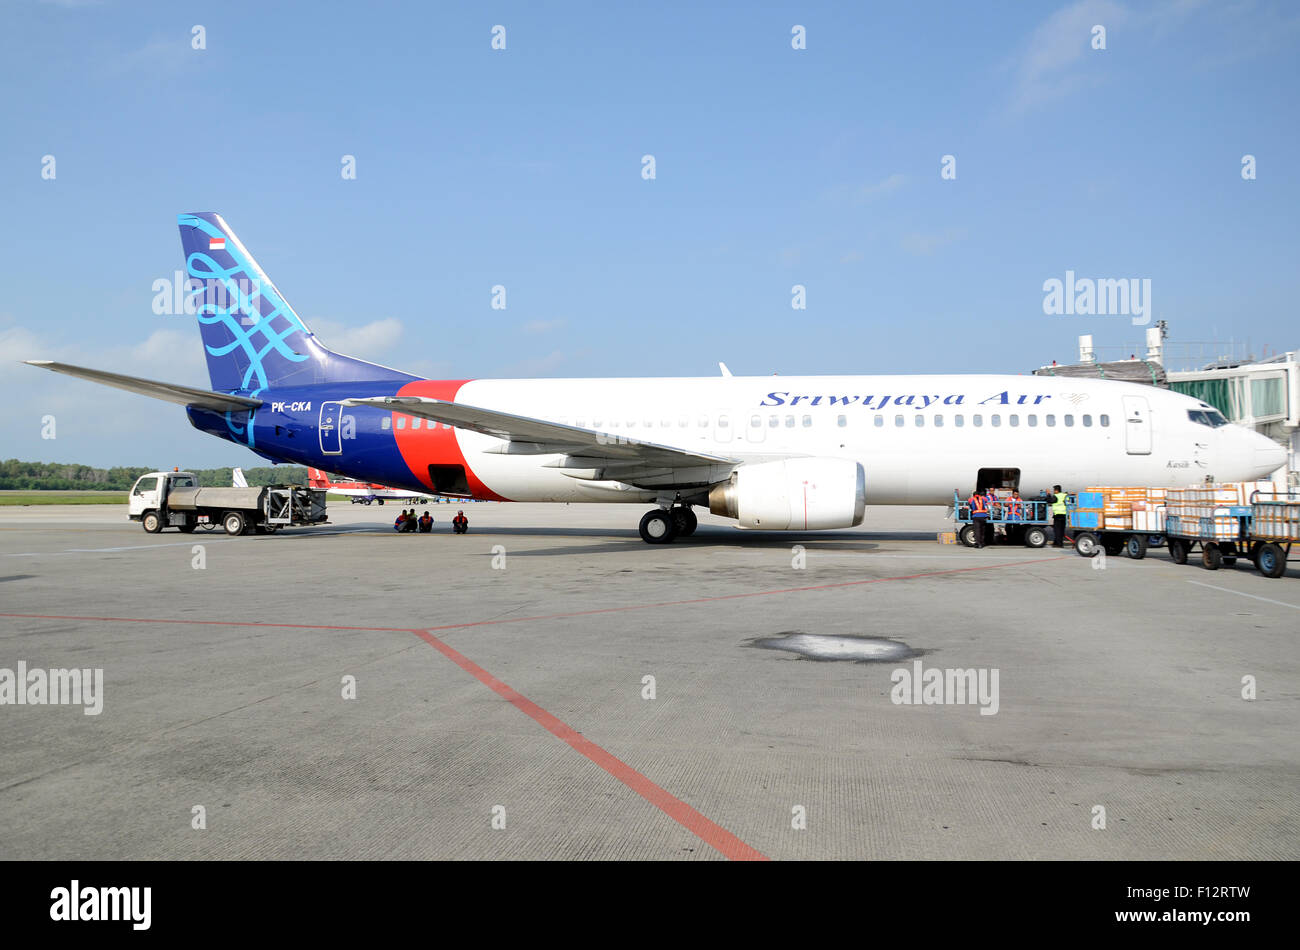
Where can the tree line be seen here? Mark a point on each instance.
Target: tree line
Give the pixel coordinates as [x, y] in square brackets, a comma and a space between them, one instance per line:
[62, 476]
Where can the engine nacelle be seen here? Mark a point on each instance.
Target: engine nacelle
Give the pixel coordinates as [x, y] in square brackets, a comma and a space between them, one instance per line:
[794, 494]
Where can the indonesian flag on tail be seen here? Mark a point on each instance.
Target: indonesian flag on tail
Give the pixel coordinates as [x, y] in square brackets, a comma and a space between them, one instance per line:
[216, 244]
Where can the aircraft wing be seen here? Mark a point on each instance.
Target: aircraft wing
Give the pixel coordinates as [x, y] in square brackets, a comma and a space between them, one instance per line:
[169, 392]
[588, 454]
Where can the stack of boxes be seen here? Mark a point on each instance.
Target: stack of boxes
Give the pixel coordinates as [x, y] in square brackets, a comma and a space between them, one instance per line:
[1276, 516]
[1089, 508]
[1211, 512]
[1149, 513]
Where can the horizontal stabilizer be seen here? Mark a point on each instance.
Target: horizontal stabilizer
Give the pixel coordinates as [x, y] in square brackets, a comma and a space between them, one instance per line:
[169, 392]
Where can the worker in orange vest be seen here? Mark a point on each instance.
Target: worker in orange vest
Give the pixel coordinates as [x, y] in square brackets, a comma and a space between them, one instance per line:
[979, 514]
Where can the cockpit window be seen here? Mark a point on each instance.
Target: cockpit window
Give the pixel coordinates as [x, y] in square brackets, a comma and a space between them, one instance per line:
[1207, 417]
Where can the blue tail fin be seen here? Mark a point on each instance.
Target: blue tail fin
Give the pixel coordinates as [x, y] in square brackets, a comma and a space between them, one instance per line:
[252, 337]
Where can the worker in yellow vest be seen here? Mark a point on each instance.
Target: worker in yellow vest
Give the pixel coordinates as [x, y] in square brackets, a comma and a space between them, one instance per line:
[1059, 509]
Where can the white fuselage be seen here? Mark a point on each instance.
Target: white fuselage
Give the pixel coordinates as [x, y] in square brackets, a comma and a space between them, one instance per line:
[919, 438]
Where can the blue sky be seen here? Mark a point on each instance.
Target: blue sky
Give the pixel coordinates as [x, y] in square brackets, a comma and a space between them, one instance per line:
[522, 167]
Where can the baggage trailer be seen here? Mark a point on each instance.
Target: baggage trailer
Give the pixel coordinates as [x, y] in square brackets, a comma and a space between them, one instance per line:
[1274, 527]
[174, 500]
[1102, 519]
[1026, 522]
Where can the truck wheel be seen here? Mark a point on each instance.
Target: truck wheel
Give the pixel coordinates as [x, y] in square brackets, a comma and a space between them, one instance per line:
[234, 523]
[1177, 551]
[1112, 545]
[1086, 544]
[967, 535]
[1271, 560]
[1211, 557]
[152, 522]
[1035, 537]
[1136, 546]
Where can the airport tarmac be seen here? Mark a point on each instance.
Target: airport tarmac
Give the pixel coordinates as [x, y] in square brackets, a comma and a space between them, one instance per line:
[500, 681]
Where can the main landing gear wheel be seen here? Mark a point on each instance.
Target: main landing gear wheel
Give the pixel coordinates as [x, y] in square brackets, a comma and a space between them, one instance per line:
[686, 521]
[658, 527]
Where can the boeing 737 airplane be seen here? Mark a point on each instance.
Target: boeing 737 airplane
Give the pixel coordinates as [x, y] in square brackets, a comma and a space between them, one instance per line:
[771, 452]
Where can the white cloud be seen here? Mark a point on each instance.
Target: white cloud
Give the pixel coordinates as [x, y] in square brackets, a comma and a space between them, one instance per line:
[1052, 64]
[373, 341]
[886, 186]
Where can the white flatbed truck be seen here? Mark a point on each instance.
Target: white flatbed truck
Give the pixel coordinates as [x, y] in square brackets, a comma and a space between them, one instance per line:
[174, 500]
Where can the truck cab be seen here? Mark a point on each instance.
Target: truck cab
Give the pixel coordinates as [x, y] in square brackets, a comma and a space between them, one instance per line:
[149, 493]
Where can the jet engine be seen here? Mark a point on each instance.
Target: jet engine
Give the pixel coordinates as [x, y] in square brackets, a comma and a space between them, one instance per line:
[794, 494]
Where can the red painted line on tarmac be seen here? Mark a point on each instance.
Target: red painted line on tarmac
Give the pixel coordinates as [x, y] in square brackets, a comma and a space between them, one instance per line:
[708, 831]
[576, 613]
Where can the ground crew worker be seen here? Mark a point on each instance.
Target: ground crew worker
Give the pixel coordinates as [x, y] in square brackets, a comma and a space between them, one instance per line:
[1059, 509]
[400, 521]
[1015, 507]
[979, 514]
[460, 524]
[426, 522]
[994, 506]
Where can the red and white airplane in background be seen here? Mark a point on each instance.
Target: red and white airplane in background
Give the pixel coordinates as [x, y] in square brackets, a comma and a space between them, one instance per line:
[360, 493]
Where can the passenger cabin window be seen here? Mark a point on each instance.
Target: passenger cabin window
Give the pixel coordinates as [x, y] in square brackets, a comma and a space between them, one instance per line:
[1207, 417]
[789, 422]
[959, 420]
[1069, 420]
[756, 422]
[1051, 420]
[1087, 420]
[773, 421]
[842, 421]
[898, 420]
[880, 421]
[938, 421]
[1033, 420]
[807, 422]
[415, 423]
[723, 422]
[386, 422]
[1015, 420]
[401, 422]
[977, 419]
[996, 419]
[1105, 421]
[920, 420]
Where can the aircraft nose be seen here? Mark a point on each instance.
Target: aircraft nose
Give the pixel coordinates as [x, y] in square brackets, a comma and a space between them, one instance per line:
[1269, 456]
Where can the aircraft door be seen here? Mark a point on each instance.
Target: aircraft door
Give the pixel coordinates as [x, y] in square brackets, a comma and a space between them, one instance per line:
[331, 428]
[1137, 425]
[722, 427]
